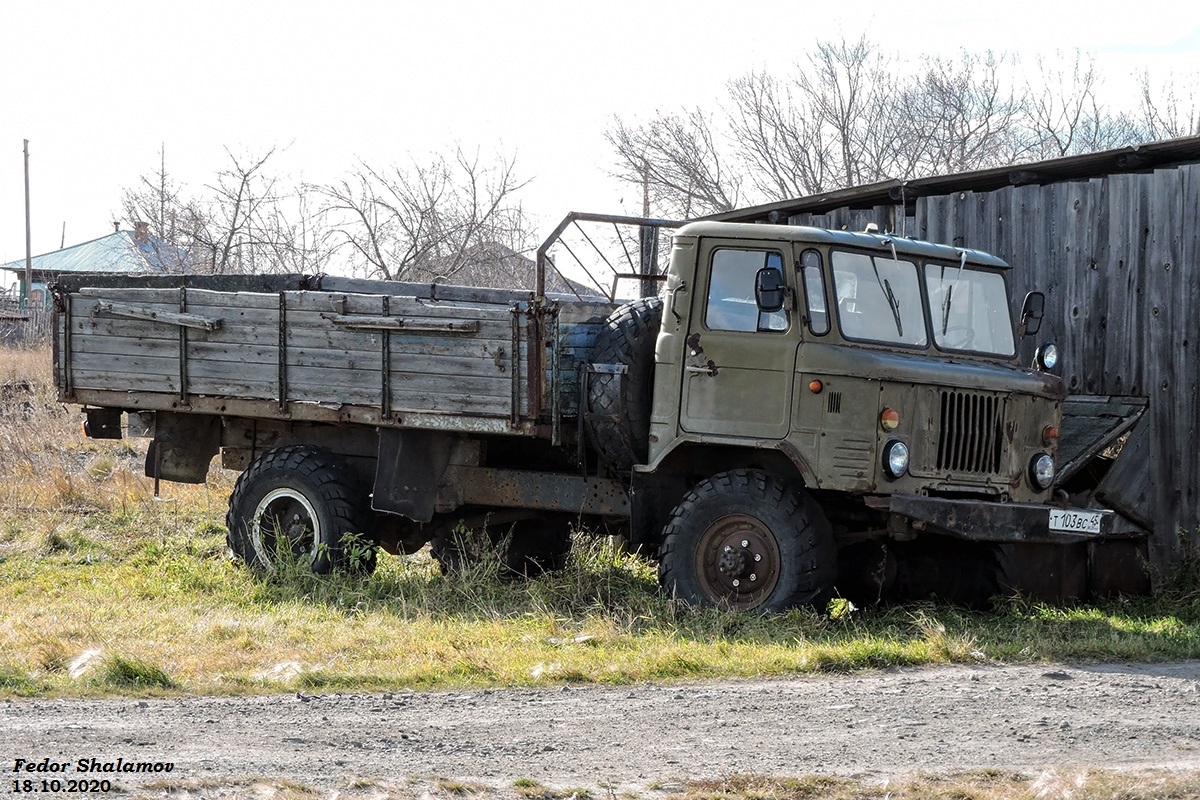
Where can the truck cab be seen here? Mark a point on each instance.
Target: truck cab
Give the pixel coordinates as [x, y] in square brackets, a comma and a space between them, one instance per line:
[874, 378]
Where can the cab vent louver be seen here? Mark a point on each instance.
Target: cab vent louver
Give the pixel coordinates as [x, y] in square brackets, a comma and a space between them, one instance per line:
[834, 404]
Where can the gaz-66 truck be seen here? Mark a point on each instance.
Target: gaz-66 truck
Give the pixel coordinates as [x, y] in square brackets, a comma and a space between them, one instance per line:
[789, 402]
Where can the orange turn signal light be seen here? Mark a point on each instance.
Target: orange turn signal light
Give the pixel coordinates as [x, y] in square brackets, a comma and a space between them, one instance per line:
[815, 386]
[1049, 434]
[889, 419]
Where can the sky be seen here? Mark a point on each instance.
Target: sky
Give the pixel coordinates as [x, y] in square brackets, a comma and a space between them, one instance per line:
[99, 88]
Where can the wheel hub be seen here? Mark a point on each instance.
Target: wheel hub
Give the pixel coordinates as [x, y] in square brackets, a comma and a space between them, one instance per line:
[735, 563]
[738, 561]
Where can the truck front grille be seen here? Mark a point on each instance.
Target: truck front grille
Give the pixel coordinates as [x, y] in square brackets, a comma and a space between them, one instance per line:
[971, 433]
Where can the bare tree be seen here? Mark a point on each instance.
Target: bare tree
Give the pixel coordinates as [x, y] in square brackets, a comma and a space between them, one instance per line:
[848, 89]
[849, 115]
[429, 221]
[679, 160]
[231, 231]
[1066, 116]
[964, 114]
[1168, 108]
[247, 220]
[780, 144]
[157, 201]
[846, 116]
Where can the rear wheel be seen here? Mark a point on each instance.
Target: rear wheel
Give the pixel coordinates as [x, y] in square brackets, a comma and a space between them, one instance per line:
[748, 540]
[301, 504]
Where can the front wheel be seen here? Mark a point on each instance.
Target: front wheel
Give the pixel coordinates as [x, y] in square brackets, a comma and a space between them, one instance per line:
[302, 504]
[748, 540]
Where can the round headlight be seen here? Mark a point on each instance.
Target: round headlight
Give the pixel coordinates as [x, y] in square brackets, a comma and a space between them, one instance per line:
[895, 459]
[1041, 471]
[1047, 357]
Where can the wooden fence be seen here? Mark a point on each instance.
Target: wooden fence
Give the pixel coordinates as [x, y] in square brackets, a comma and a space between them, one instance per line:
[25, 327]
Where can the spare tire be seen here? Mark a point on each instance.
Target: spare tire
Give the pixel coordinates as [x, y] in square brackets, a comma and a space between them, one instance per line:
[618, 410]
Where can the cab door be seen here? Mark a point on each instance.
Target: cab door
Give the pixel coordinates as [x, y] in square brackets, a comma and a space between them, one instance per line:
[739, 362]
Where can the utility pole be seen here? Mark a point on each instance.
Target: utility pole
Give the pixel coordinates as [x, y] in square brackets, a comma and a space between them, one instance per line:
[28, 239]
[648, 237]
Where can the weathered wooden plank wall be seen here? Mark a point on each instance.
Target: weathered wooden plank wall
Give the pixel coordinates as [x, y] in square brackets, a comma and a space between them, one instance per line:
[1118, 258]
[854, 219]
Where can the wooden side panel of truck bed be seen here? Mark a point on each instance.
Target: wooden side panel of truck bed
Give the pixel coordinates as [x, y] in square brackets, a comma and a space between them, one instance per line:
[393, 359]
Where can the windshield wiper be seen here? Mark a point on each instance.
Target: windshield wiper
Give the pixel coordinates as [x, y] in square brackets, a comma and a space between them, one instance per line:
[950, 291]
[894, 305]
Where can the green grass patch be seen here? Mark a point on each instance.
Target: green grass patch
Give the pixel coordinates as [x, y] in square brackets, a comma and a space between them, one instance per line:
[149, 590]
[121, 673]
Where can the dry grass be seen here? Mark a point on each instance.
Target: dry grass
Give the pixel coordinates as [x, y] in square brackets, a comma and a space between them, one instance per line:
[983, 785]
[980, 785]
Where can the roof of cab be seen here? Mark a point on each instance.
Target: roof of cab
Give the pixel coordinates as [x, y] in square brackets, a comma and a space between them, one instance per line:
[869, 241]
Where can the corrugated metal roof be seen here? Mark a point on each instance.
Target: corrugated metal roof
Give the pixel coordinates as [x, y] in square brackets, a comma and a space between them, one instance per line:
[1138, 158]
[117, 252]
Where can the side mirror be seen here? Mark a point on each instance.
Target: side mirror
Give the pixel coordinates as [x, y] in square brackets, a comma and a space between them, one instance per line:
[769, 289]
[1031, 313]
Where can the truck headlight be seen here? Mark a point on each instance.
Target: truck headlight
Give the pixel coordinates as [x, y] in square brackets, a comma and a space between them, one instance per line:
[1046, 357]
[1041, 471]
[895, 459]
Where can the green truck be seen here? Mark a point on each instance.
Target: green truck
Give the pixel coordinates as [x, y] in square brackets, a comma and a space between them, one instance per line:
[791, 413]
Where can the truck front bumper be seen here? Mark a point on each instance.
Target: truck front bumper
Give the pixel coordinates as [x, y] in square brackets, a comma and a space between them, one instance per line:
[998, 522]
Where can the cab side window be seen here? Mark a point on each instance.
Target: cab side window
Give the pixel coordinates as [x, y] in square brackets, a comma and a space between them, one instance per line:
[730, 305]
[813, 278]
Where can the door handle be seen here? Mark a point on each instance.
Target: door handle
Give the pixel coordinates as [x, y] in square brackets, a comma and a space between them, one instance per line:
[682, 287]
[709, 369]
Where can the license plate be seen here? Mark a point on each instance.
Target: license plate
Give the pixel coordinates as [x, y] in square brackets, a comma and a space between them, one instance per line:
[1075, 521]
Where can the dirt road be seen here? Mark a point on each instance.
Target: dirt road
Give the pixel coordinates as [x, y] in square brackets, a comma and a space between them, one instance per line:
[867, 725]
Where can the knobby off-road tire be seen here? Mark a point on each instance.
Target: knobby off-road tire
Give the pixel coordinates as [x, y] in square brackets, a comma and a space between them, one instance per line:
[619, 404]
[524, 549]
[300, 502]
[748, 540]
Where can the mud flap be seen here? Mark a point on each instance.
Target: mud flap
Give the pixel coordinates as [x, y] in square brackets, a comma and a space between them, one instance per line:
[183, 446]
[409, 470]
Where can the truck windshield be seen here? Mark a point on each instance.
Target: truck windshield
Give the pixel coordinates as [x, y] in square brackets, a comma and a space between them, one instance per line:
[878, 299]
[969, 309]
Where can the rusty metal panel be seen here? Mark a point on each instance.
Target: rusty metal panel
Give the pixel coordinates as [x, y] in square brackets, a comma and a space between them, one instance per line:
[1052, 573]
[1090, 424]
[547, 491]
